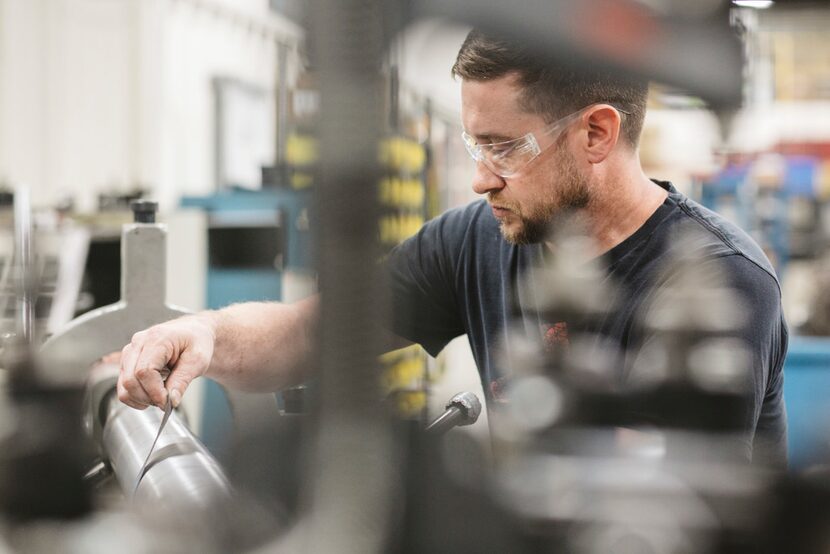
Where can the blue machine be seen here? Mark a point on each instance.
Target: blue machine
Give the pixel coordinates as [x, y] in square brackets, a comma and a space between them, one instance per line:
[763, 212]
[807, 394]
[254, 238]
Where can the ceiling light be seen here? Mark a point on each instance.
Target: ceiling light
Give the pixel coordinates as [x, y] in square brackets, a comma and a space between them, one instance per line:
[757, 4]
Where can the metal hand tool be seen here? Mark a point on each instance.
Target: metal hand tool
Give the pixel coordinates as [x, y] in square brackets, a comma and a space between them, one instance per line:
[168, 409]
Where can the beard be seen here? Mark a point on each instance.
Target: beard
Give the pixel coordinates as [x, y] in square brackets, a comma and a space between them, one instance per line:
[569, 193]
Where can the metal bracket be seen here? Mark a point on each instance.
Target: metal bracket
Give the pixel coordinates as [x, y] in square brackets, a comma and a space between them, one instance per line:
[69, 353]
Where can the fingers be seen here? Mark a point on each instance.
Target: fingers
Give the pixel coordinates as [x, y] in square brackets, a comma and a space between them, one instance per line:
[188, 368]
[140, 382]
[129, 389]
[150, 380]
[127, 399]
[181, 349]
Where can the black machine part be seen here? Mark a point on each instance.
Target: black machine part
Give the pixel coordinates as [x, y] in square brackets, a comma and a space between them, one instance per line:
[144, 211]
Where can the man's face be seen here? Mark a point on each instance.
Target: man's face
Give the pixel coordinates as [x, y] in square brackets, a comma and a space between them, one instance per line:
[524, 203]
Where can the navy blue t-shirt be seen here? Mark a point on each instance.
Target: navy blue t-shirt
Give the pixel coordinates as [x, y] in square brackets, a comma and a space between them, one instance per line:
[459, 275]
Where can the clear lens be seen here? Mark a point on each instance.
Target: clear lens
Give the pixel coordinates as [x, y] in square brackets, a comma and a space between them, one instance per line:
[503, 158]
[508, 158]
[473, 149]
[508, 161]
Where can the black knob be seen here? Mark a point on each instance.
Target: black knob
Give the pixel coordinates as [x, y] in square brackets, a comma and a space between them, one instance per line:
[144, 211]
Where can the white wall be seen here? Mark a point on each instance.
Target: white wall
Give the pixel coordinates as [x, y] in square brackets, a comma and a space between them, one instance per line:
[763, 126]
[65, 92]
[427, 50]
[197, 47]
[101, 95]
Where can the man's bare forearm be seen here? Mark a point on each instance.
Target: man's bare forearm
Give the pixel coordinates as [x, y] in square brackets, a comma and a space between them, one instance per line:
[257, 346]
[263, 345]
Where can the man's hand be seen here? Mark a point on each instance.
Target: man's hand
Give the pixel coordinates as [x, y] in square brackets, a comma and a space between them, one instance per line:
[253, 346]
[183, 346]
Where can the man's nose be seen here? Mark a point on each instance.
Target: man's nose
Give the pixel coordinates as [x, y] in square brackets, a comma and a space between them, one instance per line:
[485, 181]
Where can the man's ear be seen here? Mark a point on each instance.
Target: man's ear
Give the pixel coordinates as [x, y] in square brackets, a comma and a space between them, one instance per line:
[603, 132]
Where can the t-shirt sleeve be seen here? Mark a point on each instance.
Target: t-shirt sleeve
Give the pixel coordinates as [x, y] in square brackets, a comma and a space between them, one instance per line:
[765, 335]
[420, 274]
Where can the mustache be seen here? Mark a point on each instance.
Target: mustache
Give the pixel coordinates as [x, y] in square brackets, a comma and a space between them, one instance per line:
[494, 199]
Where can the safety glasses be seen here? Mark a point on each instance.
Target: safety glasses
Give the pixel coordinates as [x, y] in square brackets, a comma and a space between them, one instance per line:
[507, 158]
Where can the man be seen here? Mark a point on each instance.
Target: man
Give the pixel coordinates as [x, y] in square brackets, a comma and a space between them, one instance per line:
[546, 140]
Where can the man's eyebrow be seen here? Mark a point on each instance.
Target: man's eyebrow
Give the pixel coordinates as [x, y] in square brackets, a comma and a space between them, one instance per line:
[484, 138]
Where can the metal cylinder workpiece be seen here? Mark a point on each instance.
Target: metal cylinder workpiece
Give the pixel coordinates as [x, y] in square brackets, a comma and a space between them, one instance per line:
[180, 472]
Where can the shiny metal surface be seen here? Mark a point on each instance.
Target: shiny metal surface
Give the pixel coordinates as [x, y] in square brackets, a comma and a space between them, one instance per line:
[180, 472]
[24, 262]
[471, 405]
[168, 409]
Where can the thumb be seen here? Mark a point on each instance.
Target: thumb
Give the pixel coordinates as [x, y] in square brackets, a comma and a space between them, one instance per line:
[178, 382]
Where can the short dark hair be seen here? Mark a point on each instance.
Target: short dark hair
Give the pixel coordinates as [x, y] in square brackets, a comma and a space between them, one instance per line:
[550, 88]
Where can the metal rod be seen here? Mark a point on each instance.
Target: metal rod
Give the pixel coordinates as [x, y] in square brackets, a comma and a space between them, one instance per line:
[24, 262]
[282, 104]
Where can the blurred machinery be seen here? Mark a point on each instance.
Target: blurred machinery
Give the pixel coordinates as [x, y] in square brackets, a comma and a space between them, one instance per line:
[62, 248]
[586, 464]
[650, 463]
[72, 447]
[781, 197]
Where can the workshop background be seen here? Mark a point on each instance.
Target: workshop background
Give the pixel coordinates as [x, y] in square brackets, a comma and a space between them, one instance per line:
[208, 108]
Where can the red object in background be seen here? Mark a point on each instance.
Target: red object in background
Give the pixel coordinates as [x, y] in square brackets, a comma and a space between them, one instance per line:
[813, 149]
[622, 31]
